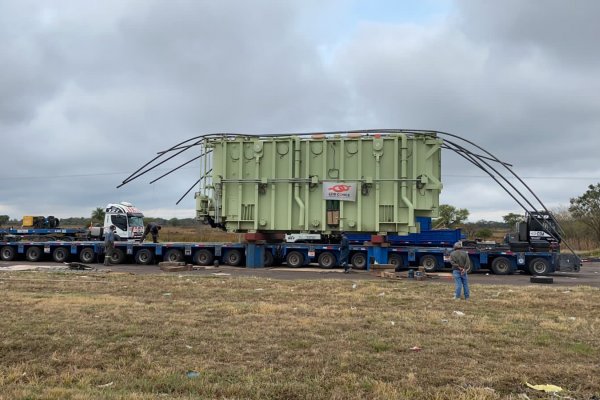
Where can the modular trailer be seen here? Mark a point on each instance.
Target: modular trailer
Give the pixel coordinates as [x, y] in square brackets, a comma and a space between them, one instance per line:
[256, 254]
[46, 233]
[499, 260]
[140, 253]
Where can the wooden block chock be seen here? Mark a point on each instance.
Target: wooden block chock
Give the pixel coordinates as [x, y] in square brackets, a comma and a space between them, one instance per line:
[381, 269]
[170, 266]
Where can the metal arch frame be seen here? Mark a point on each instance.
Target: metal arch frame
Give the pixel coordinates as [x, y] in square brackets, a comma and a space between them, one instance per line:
[481, 161]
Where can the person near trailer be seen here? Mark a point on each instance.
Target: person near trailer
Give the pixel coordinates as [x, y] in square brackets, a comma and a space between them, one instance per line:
[151, 229]
[109, 244]
[344, 253]
[460, 266]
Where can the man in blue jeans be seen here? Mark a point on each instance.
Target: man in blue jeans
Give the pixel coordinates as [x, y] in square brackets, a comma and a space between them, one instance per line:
[109, 244]
[460, 265]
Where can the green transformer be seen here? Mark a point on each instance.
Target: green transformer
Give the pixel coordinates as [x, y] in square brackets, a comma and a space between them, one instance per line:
[320, 184]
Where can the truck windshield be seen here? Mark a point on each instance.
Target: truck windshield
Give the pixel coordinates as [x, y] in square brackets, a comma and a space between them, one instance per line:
[136, 221]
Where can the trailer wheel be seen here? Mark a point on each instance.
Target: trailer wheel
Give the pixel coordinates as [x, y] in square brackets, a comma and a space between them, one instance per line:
[539, 266]
[203, 257]
[269, 259]
[33, 253]
[173, 255]
[87, 255]
[294, 259]
[396, 261]
[60, 254]
[233, 257]
[359, 261]
[7, 253]
[326, 260]
[501, 266]
[117, 256]
[469, 269]
[429, 262]
[144, 257]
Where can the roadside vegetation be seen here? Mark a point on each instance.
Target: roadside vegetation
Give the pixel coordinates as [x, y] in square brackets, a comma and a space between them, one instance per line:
[580, 222]
[198, 233]
[116, 336]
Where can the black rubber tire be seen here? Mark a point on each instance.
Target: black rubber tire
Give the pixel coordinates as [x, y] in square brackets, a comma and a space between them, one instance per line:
[144, 257]
[539, 266]
[203, 257]
[277, 261]
[359, 261]
[429, 262]
[7, 253]
[327, 260]
[233, 257]
[117, 256]
[33, 253]
[396, 260]
[173, 255]
[501, 266]
[269, 259]
[60, 254]
[294, 259]
[87, 255]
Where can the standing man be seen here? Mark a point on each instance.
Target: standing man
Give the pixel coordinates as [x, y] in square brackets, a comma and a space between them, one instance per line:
[344, 253]
[152, 229]
[109, 244]
[460, 265]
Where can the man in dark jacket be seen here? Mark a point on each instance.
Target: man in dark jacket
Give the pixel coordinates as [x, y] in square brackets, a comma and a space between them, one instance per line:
[152, 229]
[344, 253]
[460, 266]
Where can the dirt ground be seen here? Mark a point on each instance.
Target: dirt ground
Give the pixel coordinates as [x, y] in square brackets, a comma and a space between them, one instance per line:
[588, 276]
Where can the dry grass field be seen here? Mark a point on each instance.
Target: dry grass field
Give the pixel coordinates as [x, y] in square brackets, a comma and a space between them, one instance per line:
[200, 233]
[120, 336]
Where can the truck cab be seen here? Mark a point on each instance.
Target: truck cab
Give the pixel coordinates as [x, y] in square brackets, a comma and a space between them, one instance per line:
[128, 221]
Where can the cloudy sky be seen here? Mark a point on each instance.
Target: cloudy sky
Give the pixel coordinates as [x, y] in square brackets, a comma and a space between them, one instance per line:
[89, 91]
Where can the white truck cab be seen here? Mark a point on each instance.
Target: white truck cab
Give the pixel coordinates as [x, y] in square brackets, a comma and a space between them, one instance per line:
[128, 221]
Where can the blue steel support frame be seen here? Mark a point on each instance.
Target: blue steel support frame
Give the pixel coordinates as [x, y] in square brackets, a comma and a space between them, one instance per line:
[378, 254]
[255, 255]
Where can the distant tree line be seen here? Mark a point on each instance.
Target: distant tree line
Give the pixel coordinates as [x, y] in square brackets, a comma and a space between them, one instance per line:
[581, 221]
[176, 222]
[6, 221]
[451, 217]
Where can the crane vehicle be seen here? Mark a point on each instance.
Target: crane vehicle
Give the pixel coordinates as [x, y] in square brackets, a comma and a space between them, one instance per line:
[127, 219]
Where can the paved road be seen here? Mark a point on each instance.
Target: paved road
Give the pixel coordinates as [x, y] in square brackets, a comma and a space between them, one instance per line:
[589, 274]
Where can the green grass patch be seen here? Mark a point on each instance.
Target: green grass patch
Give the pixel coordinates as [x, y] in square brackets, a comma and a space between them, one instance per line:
[582, 348]
[122, 338]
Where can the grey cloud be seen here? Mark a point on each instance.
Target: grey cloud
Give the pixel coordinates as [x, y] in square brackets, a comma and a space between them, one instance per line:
[443, 80]
[567, 32]
[31, 68]
[489, 76]
[97, 89]
[90, 89]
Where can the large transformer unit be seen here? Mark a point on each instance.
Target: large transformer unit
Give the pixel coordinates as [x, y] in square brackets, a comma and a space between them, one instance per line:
[321, 183]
